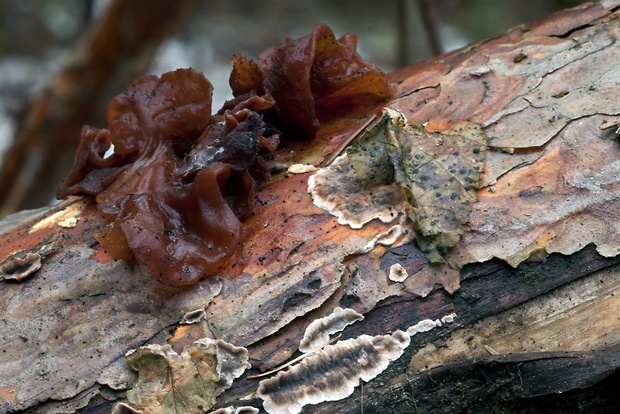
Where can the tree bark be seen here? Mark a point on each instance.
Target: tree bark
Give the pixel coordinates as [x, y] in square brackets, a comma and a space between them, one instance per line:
[534, 281]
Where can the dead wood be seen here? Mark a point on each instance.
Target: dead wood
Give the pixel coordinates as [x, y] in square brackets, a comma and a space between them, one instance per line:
[534, 280]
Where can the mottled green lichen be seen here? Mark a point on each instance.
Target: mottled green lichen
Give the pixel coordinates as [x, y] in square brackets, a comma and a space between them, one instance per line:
[439, 175]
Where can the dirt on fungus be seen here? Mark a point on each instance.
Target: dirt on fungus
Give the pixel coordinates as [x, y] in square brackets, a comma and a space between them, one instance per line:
[180, 181]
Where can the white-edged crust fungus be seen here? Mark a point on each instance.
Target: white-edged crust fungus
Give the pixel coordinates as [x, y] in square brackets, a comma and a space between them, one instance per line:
[333, 372]
[398, 273]
[236, 410]
[428, 324]
[20, 266]
[194, 316]
[339, 190]
[397, 235]
[300, 168]
[318, 332]
[232, 360]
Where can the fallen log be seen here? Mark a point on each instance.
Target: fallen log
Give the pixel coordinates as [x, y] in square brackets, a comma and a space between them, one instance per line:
[526, 304]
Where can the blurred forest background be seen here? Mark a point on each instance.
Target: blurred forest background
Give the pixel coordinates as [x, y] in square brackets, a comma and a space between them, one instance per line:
[40, 38]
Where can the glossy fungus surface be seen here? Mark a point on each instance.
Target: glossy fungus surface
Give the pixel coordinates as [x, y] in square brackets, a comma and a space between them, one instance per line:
[179, 180]
[175, 182]
[310, 78]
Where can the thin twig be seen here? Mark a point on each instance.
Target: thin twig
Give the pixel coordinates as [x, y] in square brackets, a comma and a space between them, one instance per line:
[299, 358]
[352, 138]
[431, 25]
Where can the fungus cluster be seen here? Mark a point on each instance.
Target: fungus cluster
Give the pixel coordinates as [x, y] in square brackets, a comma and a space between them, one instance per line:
[180, 180]
[333, 372]
[310, 78]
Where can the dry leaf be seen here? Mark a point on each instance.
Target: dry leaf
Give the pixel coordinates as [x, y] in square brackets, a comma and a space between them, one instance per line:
[185, 383]
[439, 174]
[369, 156]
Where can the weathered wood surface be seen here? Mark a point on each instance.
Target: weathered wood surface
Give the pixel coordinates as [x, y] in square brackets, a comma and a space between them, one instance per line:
[545, 94]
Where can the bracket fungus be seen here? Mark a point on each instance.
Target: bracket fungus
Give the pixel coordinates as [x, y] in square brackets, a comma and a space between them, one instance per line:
[333, 372]
[193, 316]
[398, 273]
[339, 190]
[180, 181]
[18, 268]
[319, 330]
[236, 410]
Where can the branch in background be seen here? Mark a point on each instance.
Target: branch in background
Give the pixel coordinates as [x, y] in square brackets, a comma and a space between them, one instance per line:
[405, 33]
[119, 48]
[428, 12]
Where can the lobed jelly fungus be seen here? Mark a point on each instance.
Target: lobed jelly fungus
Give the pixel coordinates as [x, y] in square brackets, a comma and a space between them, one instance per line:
[309, 78]
[180, 181]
